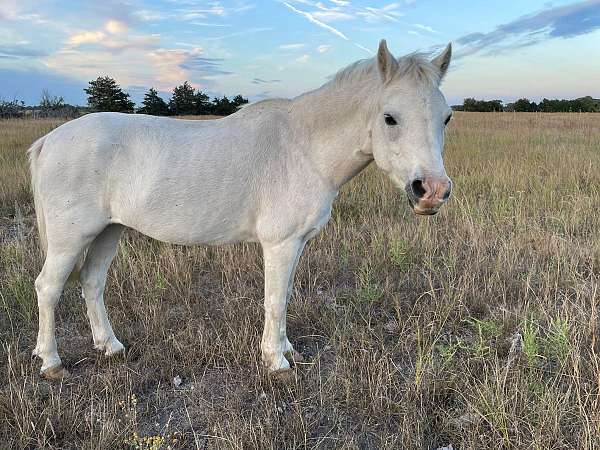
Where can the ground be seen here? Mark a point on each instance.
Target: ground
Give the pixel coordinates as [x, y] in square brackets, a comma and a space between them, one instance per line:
[477, 327]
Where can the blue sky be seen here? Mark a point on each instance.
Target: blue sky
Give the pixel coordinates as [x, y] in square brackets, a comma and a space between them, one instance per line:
[267, 48]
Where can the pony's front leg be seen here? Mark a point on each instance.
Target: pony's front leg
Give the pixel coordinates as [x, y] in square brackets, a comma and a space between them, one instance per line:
[280, 264]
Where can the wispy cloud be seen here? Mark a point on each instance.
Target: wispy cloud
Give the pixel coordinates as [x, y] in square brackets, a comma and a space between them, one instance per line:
[389, 12]
[324, 48]
[558, 22]
[292, 46]
[317, 22]
[311, 18]
[238, 33]
[424, 28]
[303, 59]
[208, 24]
[261, 81]
[19, 51]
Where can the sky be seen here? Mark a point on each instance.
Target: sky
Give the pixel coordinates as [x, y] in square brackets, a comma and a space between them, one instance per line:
[503, 49]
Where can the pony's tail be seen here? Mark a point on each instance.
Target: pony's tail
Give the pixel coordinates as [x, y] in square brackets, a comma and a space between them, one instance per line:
[34, 153]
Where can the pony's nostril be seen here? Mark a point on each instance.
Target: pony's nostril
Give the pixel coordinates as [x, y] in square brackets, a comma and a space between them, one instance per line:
[447, 193]
[418, 189]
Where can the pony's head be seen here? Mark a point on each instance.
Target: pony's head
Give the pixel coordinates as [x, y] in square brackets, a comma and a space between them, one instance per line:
[408, 126]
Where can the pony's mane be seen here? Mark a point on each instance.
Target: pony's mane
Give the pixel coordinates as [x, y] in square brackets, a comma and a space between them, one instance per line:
[415, 66]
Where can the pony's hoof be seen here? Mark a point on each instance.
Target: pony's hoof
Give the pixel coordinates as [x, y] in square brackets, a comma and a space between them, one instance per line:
[111, 349]
[294, 357]
[56, 373]
[118, 353]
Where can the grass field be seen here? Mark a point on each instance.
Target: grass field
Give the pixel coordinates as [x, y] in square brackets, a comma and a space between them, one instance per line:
[478, 327]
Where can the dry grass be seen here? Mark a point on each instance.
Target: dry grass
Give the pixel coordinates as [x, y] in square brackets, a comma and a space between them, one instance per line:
[477, 327]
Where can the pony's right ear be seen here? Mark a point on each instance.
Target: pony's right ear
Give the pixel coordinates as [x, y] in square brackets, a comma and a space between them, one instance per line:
[386, 63]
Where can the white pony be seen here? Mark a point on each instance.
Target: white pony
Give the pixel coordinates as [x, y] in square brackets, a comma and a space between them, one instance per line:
[267, 174]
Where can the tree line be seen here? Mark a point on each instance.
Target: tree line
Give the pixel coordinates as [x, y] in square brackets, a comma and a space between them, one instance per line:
[582, 104]
[104, 94]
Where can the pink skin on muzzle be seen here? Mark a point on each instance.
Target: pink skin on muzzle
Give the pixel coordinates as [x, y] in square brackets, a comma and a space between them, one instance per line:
[427, 195]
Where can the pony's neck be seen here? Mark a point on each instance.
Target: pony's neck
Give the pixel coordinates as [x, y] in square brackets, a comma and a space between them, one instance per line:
[336, 121]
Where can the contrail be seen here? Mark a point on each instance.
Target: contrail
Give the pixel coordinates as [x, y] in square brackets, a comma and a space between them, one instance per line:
[329, 28]
[317, 22]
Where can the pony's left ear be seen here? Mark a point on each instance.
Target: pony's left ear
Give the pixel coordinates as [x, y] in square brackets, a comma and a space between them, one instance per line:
[442, 61]
[386, 63]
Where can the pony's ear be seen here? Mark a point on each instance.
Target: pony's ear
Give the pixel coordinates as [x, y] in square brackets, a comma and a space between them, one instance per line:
[386, 63]
[442, 61]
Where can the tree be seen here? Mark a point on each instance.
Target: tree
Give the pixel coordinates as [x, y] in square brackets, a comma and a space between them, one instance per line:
[223, 106]
[524, 105]
[183, 100]
[51, 102]
[10, 108]
[104, 94]
[202, 105]
[153, 104]
[470, 104]
[238, 100]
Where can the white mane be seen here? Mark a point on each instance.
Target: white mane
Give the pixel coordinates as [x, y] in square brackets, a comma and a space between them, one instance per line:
[415, 66]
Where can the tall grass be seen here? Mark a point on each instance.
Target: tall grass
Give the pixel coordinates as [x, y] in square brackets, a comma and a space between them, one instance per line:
[476, 328]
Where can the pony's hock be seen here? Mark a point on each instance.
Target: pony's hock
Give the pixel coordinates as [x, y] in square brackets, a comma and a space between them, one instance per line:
[267, 174]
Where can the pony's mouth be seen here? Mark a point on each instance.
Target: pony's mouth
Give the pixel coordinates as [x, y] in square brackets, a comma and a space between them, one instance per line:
[419, 211]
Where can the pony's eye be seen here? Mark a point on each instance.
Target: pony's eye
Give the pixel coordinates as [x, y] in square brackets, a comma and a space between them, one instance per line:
[447, 120]
[389, 120]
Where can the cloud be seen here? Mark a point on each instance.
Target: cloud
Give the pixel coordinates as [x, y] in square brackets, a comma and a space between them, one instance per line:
[216, 9]
[203, 66]
[331, 16]
[324, 48]
[389, 12]
[311, 18]
[558, 22]
[207, 24]
[133, 59]
[19, 51]
[115, 27]
[261, 81]
[291, 46]
[147, 15]
[317, 22]
[9, 10]
[424, 28]
[86, 37]
[303, 59]
[238, 33]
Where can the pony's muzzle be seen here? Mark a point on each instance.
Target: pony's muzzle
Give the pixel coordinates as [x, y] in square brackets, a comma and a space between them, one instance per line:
[427, 195]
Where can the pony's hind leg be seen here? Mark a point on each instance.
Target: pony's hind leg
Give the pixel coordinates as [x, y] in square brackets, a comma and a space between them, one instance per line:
[93, 279]
[49, 285]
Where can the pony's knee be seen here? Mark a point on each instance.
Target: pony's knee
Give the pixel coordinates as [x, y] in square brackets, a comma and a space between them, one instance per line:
[48, 290]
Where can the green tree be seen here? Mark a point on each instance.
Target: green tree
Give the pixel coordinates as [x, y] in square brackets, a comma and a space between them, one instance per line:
[238, 100]
[202, 103]
[223, 106]
[153, 104]
[470, 104]
[104, 94]
[524, 105]
[183, 100]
